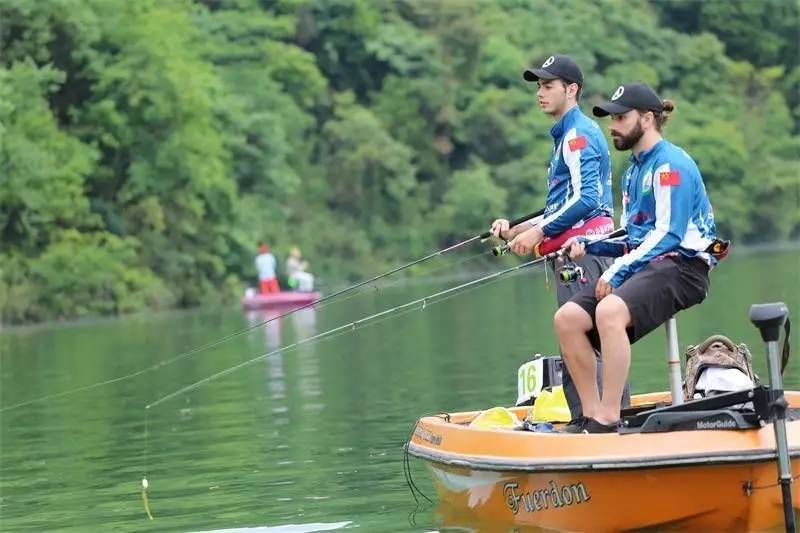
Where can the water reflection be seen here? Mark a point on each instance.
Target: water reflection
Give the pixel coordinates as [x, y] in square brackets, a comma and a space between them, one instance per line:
[271, 333]
[304, 324]
[271, 328]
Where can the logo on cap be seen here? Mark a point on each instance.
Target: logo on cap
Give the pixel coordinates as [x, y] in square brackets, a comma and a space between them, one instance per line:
[618, 92]
[548, 62]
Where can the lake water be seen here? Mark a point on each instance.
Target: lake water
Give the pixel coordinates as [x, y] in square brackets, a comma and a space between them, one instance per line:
[311, 437]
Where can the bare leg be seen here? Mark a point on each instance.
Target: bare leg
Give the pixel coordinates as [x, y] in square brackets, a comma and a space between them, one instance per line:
[571, 324]
[613, 318]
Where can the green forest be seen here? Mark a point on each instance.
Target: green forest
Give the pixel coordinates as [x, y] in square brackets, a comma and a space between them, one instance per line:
[148, 146]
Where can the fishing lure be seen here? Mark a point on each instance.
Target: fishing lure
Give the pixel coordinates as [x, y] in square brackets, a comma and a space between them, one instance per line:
[145, 501]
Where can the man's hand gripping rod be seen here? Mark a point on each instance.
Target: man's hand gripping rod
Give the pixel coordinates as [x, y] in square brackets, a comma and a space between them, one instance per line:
[621, 232]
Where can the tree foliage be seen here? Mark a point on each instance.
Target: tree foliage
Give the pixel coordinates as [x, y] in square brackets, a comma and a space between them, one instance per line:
[147, 147]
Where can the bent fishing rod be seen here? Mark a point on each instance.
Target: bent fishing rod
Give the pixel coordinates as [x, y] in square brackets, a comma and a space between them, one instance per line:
[198, 349]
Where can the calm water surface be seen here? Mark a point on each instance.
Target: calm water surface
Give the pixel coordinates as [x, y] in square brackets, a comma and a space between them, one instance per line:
[311, 437]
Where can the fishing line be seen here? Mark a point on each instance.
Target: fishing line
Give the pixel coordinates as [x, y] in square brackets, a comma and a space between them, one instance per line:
[239, 333]
[426, 273]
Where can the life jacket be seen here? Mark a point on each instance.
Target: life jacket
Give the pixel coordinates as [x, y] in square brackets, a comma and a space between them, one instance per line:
[716, 351]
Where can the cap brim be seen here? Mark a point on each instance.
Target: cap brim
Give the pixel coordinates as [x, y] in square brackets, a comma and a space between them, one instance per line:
[535, 74]
[609, 108]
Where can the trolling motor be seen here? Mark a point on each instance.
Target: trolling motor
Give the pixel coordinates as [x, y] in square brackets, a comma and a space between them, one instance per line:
[769, 318]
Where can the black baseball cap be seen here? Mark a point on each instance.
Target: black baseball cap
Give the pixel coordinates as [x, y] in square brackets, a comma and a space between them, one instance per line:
[555, 67]
[629, 96]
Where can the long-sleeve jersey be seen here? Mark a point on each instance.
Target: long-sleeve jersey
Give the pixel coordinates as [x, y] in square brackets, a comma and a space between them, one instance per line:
[665, 209]
[579, 176]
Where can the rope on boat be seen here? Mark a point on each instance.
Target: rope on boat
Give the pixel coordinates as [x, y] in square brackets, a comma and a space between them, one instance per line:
[217, 342]
[407, 468]
[749, 488]
[406, 461]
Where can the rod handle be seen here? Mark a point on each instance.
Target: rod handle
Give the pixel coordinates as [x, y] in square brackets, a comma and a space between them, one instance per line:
[515, 222]
[503, 249]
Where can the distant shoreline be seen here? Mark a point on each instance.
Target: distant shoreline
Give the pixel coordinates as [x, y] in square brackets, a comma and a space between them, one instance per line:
[457, 275]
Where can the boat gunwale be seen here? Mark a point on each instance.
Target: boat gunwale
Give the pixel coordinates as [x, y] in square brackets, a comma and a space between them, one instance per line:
[552, 463]
[674, 461]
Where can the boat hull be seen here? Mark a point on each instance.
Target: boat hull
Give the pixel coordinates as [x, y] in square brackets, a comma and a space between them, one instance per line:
[689, 480]
[708, 499]
[279, 300]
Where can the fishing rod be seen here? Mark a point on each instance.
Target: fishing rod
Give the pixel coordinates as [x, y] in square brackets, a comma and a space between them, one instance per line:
[422, 303]
[504, 249]
[217, 342]
[485, 235]
[718, 249]
[409, 306]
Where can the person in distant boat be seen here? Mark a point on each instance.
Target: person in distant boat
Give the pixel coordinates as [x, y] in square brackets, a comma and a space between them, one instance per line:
[662, 264]
[266, 265]
[579, 200]
[296, 271]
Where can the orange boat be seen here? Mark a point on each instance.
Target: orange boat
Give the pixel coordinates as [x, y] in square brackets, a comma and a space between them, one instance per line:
[704, 465]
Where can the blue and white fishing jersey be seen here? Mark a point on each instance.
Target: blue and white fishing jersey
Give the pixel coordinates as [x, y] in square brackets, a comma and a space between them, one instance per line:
[579, 176]
[665, 209]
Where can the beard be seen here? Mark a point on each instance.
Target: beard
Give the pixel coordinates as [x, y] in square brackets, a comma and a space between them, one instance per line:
[626, 142]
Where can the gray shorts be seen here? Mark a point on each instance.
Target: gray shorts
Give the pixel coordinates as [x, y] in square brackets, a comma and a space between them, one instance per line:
[593, 267]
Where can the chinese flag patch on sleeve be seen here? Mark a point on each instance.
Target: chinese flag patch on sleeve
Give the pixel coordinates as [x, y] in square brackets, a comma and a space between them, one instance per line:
[667, 179]
[577, 143]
